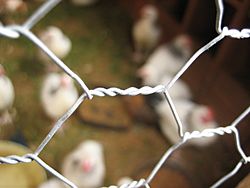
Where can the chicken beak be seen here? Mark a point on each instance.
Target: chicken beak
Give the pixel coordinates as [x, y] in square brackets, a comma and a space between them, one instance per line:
[2, 71]
[209, 116]
[65, 81]
[86, 166]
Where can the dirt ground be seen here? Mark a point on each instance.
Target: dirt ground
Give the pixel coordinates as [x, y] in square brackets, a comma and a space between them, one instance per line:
[101, 55]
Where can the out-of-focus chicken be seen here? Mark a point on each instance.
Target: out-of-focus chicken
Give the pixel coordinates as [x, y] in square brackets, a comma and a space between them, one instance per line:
[194, 117]
[7, 96]
[10, 6]
[145, 33]
[166, 60]
[85, 165]
[57, 42]
[58, 94]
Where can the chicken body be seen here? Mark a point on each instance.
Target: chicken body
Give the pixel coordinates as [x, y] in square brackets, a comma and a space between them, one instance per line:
[58, 94]
[85, 165]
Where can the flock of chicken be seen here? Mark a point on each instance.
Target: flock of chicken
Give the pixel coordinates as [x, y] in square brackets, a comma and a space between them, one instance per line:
[85, 165]
[159, 68]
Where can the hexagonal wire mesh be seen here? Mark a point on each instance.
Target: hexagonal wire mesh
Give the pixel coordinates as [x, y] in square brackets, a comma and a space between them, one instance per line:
[14, 31]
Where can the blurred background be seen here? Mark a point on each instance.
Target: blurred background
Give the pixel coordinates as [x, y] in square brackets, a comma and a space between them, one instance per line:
[110, 43]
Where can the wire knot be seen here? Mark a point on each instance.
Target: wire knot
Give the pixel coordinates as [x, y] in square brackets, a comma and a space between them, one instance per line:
[133, 184]
[234, 33]
[208, 132]
[8, 32]
[14, 159]
[247, 160]
[132, 91]
[136, 184]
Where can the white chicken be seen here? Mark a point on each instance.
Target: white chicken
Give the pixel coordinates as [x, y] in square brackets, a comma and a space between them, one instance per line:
[7, 96]
[166, 59]
[145, 32]
[58, 94]
[57, 42]
[11, 5]
[83, 2]
[194, 117]
[85, 165]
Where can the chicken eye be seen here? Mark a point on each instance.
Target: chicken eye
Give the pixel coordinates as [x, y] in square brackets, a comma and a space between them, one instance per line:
[76, 162]
[53, 90]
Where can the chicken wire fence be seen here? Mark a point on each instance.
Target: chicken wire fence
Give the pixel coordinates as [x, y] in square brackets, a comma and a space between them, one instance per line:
[15, 31]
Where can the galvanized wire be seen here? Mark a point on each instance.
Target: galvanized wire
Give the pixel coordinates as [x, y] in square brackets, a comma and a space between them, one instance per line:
[14, 32]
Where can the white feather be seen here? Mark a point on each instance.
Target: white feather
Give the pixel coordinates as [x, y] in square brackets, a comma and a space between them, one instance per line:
[145, 31]
[7, 94]
[57, 99]
[166, 59]
[56, 41]
[12, 5]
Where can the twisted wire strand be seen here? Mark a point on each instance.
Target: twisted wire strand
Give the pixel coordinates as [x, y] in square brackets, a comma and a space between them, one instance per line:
[195, 134]
[14, 159]
[8, 32]
[133, 184]
[234, 33]
[219, 131]
[132, 91]
[205, 133]
[27, 158]
[14, 31]
[136, 184]
[208, 132]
